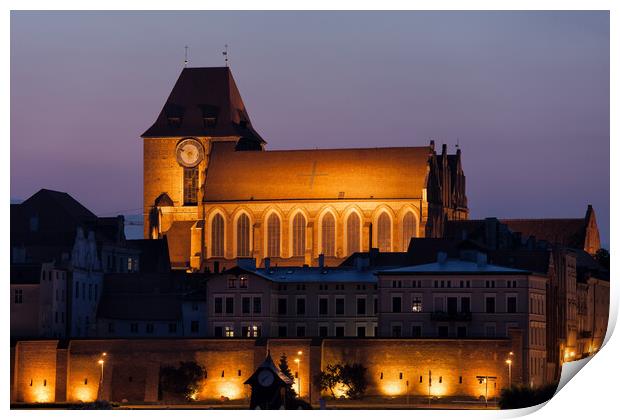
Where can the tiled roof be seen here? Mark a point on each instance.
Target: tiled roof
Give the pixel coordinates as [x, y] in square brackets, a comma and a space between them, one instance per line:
[566, 232]
[379, 173]
[204, 92]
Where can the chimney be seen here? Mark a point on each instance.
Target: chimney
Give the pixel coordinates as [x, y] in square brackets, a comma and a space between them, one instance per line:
[216, 267]
[442, 257]
[321, 260]
[444, 149]
[481, 260]
[433, 145]
[267, 263]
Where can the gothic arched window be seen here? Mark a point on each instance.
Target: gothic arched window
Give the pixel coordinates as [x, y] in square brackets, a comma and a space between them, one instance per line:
[353, 233]
[243, 236]
[217, 236]
[328, 235]
[299, 235]
[384, 233]
[273, 236]
[408, 230]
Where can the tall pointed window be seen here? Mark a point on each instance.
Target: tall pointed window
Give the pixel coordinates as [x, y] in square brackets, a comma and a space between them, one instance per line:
[408, 230]
[384, 234]
[243, 236]
[328, 235]
[190, 186]
[353, 233]
[273, 236]
[217, 236]
[299, 235]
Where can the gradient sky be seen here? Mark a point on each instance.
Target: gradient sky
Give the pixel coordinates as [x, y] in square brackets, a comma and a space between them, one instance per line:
[526, 94]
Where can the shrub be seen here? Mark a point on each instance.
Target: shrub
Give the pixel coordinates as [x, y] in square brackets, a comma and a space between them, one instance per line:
[524, 396]
[184, 380]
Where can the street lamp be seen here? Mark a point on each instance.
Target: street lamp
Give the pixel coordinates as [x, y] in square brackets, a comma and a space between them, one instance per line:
[509, 363]
[297, 360]
[484, 379]
[101, 362]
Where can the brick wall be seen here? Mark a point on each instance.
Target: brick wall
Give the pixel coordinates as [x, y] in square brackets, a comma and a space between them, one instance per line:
[131, 370]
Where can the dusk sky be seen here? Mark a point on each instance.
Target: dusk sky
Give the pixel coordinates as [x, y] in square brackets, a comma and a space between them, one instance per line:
[526, 94]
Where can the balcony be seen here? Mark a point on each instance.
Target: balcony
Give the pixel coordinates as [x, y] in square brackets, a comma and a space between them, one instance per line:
[450, 316]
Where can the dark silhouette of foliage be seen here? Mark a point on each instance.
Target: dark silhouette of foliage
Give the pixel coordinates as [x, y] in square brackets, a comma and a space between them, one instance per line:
[351, 377]
[184, 380]
[524, 396]
[286, 370]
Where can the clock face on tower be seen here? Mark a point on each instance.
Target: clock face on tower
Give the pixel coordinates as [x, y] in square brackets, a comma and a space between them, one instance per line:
[189, 152]
[265, 378]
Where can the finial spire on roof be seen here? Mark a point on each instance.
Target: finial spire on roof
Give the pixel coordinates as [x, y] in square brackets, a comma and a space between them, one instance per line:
[186, 60]
[225, 54]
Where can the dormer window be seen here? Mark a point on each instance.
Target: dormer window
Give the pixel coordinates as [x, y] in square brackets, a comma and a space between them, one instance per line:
[174, 122]
[209, 122]
[174, 115]
[209, 115]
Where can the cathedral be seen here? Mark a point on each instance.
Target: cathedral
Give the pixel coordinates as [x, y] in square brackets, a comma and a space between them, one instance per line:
[214, 191]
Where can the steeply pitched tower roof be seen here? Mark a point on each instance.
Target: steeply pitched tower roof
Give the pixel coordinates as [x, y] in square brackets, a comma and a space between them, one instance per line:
[199, 94]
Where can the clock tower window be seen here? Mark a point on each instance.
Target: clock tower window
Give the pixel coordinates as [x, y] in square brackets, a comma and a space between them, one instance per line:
[190, 186]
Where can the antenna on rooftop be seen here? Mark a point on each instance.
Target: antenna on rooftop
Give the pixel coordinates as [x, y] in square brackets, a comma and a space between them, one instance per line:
[225, 54]
[186, 60]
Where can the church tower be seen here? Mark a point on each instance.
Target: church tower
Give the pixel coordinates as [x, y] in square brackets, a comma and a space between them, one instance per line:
[204, 107]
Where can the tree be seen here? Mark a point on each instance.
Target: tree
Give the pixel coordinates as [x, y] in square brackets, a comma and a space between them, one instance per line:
[328, 379]
[184, 380]
[286, 370]
[602, 257]
[351, 378]
[519, 396]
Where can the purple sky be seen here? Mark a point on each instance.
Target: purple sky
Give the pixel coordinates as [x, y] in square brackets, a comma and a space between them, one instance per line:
[526, 93]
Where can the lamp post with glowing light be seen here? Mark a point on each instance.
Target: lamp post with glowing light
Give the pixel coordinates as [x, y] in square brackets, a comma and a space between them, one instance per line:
[298, 360]
[101, 362]
[509, 363]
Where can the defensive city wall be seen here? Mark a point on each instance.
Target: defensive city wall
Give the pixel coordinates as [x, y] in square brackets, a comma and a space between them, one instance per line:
[52, 370]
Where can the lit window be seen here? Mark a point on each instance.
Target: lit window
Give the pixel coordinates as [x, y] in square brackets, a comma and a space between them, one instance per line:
[217, 236]
[299, 235]
[243, 236]
[190, 186]
[229, 331]
[384, 234]
[353, 233]
[408, 230]
[416, 305]
[328, 235]
[273, 236]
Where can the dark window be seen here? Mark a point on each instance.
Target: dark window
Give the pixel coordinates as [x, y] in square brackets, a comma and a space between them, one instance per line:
[110, 327]
[465, 307]
[442, 331]
[396, 304]
[511, 304]
[339, 306]
[416, 331]
[323, 305]
[282, 331]
[257, 305]
[490, 305]
[339, 331]
[452, 305]
[230, 305]
[282, 306]
[376, 306]
[219, 331]
[218, 305]
[301, 331]
[172, 328]
[396, 330]
[194, 326]
[245, 305]
[243, 282]
[361, 331]
[361, 306]
[77, 289]
[190, 186]
[150, 328]
[19, 296]
[231, 280]
[301, 306]
[461, 332]
[133, 327]
[323, 331]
